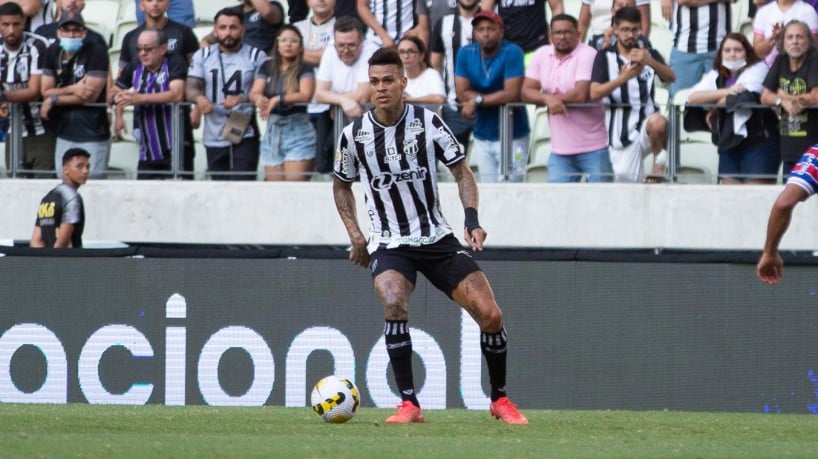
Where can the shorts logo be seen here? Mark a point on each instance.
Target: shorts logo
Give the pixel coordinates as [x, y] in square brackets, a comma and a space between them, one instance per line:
[363, 137]
[374, 265]
[392, 155]
[464, 252]
[415, 127]
[410, 147]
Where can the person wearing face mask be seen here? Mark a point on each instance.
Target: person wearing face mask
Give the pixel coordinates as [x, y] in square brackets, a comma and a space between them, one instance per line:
[75, 74]
[791, 86]
[747, 139]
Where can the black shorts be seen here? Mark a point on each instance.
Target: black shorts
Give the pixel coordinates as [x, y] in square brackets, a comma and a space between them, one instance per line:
[445, 263]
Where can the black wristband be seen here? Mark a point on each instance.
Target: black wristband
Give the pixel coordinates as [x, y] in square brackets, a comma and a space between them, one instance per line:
[471, 219]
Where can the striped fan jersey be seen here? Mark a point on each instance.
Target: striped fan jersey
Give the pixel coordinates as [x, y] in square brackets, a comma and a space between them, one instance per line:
[805, 172]
[397, 167]
[625, 123]
[700, 29]
[451, 33]
[395, 16]
[16, 69]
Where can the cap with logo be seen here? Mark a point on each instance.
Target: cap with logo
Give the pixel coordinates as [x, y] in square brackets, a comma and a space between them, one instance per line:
[71, 17]
[488, 15]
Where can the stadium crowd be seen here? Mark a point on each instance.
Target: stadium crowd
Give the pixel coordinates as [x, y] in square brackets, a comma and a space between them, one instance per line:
[255, 82]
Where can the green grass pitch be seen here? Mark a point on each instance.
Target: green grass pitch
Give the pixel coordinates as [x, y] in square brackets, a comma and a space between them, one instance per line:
[155, 431]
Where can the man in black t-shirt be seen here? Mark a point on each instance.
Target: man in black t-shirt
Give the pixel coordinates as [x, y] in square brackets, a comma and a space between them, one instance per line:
[61, 214]
[261, 19]
[49, 31]
[791, 90]
[75, 73]
[525, 20]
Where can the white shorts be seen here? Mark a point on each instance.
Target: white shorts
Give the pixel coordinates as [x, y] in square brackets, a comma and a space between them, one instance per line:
[628, 161]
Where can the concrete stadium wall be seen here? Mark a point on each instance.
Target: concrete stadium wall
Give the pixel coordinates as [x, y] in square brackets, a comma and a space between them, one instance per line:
[515, 215]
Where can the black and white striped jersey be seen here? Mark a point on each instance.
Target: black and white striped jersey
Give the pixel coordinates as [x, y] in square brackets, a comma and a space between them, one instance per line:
[635, 97]
[16, 68]
[397, 167]
[700, 29]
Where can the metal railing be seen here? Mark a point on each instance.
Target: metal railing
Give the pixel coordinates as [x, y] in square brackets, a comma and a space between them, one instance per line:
[506, 113]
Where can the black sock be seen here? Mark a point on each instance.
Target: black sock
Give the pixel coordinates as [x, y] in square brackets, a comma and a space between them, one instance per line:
[399, 348]
[495, 349]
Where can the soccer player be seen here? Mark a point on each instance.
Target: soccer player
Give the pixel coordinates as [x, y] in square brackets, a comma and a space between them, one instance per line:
[61, 215]
[802, 183]
[393, 150]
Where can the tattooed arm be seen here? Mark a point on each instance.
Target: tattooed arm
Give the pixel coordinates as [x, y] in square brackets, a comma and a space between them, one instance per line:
[469, 197]
[345, 203]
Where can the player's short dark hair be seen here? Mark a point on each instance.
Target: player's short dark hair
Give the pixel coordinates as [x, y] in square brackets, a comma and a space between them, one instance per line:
[161, 35]
[11, 9]
[229, 11]
[348, 24]
[72, 153]
[386, 56]
[628, 14]
[565, 17]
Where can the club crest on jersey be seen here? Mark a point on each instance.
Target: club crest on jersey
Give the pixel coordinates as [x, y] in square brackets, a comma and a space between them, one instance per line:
[79, 72]
[392, 155]
[172, 44]
[415, 127]
[410, 147]
[363, 137]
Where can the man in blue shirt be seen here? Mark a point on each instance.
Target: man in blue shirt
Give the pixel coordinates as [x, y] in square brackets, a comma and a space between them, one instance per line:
[489, 74]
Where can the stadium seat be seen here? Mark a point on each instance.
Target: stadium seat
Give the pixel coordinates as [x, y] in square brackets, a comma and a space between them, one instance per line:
[536, 173]
[102, 17]
[661, 37]
[206, 10]
[127, 10]
[123, 159]
[203, 29]
[121, 29]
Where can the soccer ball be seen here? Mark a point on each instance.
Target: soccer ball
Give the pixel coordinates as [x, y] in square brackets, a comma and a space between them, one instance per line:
[335, 399]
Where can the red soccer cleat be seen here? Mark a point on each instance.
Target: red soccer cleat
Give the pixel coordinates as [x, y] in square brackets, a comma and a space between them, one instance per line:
[407, 412]
[503, 409]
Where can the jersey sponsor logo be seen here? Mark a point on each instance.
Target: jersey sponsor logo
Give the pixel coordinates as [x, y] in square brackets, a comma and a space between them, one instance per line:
[392, 155]
[386, 180]
[517, 3]
[415, 127]
[363, 137]
[342, 159]
[410, 147]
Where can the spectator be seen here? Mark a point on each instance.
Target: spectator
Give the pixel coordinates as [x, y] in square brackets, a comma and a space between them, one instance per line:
[181, 42]
[595, 18]
[49, 30]
[525, 21]
[771, 17]
[181, 39]
[218, 82]
[606, 37]
[21, 55]
[288, 145]
[791, 85]
[180, 11]
[75, 75]
[488, 74]
[37, 12]
[698, 28]
[317, 30]
[424, 85]
[439, 8]
[150, 85]
[342, 79]
[61, 214]
[559, 74]
[391, 20]
[624, 75]
[262, 19]
[451, 33]
[747, 138]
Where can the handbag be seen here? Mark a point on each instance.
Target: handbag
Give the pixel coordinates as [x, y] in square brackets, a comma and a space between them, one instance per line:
[235, 126]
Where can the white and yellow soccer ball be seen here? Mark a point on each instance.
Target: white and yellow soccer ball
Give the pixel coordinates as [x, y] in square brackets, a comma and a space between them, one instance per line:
[335, 399]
